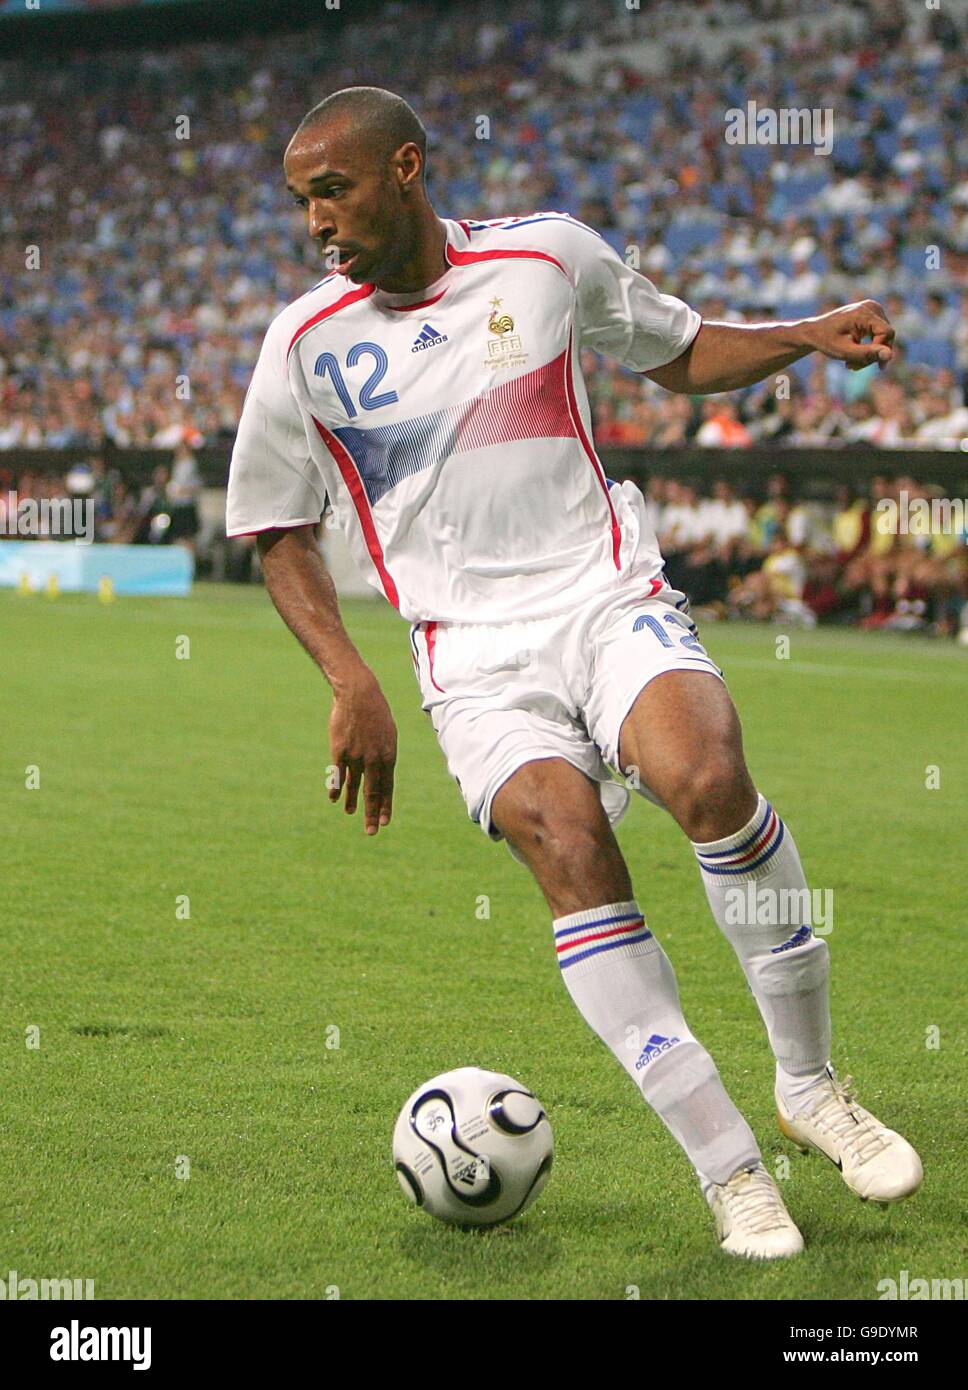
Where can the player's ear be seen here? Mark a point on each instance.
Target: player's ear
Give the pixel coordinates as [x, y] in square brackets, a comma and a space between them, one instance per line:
[408, 164]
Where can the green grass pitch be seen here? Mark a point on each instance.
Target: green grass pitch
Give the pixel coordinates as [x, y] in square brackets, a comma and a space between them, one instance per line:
[210, 1039]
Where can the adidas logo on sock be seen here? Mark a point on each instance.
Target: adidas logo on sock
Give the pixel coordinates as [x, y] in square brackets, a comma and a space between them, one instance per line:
[656, 1045]
[797, 939]
[428, 337]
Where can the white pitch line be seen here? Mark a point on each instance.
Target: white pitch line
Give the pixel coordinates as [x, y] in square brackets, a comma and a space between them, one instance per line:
[822, 668]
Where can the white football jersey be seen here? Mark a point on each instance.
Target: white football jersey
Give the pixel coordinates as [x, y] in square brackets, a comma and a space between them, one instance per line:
[450, 428]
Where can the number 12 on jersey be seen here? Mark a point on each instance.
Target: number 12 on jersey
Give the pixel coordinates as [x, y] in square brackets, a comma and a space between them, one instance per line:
[326, 364]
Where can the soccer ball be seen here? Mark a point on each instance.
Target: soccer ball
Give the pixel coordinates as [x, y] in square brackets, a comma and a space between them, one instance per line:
[473, 1147]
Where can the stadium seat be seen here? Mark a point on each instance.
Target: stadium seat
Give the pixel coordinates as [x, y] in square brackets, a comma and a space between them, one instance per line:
[931, 352]
[912, 259]
[887, 143]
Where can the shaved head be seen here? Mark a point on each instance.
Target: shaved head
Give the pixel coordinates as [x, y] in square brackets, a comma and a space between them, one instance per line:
[356, 164]
[380, 119]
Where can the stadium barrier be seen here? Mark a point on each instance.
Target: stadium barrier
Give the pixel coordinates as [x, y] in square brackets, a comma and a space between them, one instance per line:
[814, 472]
[72, 567]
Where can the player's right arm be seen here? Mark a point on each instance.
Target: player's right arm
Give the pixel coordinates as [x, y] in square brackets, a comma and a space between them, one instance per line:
[362, 734]
[275, 492]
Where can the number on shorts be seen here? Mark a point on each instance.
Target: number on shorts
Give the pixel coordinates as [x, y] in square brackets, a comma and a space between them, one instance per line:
[686, 639]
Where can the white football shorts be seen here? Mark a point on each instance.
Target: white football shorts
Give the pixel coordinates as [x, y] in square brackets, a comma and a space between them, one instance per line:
[504, 694]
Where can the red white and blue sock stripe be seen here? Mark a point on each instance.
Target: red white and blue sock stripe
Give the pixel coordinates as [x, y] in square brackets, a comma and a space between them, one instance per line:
[745, 853]
[616, 929]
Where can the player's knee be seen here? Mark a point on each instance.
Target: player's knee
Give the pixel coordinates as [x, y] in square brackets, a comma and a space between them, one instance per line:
[564, 847]
[715, 797]
[562, 839]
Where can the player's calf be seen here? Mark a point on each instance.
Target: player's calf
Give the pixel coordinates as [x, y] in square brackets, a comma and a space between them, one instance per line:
[624, 986]
[758, 895]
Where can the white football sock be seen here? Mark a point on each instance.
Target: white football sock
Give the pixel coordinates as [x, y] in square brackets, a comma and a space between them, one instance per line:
[754, 881]
[623, 985]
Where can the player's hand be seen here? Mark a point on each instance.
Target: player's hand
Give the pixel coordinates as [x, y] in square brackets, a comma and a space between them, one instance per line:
[857, 334]
[363, 740]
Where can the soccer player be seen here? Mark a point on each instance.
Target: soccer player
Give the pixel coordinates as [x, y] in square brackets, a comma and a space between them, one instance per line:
[429, 387]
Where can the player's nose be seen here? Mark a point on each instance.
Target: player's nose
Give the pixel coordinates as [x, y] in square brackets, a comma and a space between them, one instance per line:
[320, 226]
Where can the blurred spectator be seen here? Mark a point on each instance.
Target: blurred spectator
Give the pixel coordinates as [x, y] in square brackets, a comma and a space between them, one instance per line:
[183, 489]
[850, 525]
[152, 521]
[721, 429]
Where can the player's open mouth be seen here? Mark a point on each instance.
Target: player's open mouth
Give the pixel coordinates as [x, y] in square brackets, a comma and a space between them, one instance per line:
[346, 266]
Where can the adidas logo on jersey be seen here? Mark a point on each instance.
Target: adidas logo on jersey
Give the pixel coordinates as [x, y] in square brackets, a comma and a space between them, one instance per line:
[657, 1044]
[427, 338]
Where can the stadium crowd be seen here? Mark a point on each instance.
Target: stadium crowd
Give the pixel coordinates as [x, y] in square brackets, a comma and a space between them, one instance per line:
[797, 560]
[145, 266]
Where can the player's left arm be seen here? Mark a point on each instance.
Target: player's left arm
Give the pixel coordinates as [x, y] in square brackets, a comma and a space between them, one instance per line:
[727, 356]
[622, 314]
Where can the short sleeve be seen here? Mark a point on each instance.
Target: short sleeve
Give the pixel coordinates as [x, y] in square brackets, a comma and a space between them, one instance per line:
[273, 478]
[621, 313]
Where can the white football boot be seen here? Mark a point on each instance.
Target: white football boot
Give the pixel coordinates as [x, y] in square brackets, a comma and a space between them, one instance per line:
[751, 1219]
[874, 1162]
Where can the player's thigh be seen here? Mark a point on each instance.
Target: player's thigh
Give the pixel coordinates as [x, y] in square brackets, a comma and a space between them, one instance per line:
[553, 815]
[659, 710]
[683, 737]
